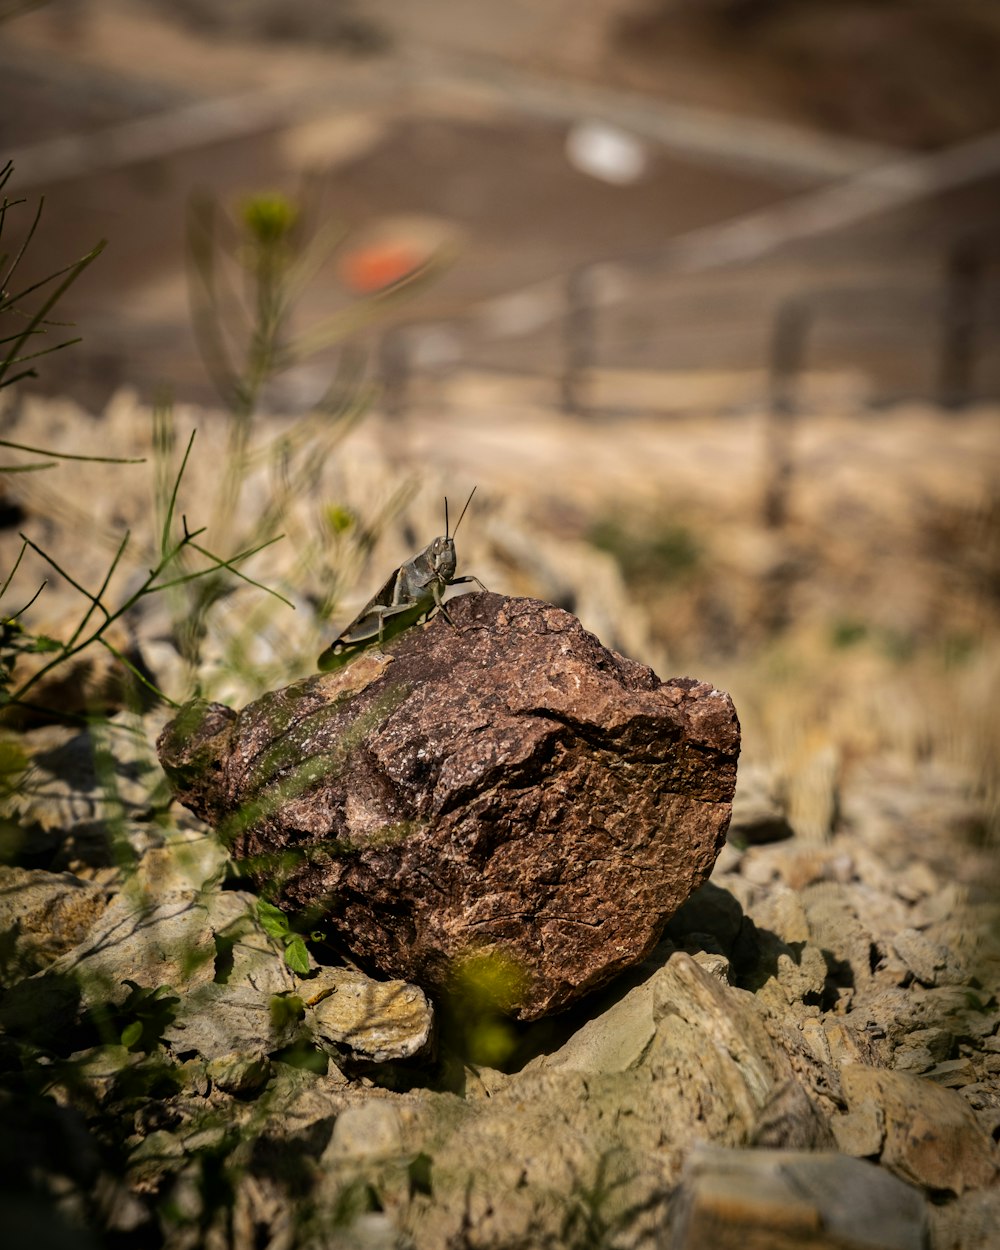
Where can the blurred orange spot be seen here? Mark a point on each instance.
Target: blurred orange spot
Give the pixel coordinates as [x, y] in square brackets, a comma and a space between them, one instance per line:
[377, 266]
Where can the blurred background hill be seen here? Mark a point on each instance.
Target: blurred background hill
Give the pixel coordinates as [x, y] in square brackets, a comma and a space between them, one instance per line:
[430, 124]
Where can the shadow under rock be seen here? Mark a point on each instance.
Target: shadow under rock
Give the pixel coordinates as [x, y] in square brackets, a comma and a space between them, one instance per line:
[711, 922]
[43, 1011]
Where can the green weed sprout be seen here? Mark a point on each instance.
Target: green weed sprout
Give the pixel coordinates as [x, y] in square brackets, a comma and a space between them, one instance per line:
[248, 269]
[24, 318]
[275, 924]
[99, 616]
[485, 986]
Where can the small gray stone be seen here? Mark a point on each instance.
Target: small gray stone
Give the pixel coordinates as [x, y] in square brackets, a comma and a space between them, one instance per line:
[931, 1136]
[860, 1133]
[152, 943]
[759, 813]
[181, 942]
[223, 1021]
[938, 1042]
[239, 1074]
[717, 965]
[789, 1120]
[753, 1199]
[68, 790]
[953, 1073]
[100, 1067]
[614, 1041]
[188, 860]
[969, 1223]
[367, 1130]
[915, 1059]
[930, 964]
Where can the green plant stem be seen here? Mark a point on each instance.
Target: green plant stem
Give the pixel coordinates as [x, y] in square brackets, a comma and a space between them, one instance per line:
[69, 275]
[143, 680]
[168, 519]
[97, 600]
[9, 301]
[148, 587]
[24, 607]
[10, 575]
[226, 564]
[222, 564]
[66, 455]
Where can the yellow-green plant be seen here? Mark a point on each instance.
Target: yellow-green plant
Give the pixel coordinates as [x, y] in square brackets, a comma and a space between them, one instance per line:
[485, 985]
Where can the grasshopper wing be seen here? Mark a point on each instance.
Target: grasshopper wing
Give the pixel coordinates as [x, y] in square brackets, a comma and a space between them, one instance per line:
[378, 621]
[363, 630]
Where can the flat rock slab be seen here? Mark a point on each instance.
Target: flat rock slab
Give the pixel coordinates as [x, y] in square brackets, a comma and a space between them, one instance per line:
[499, 784]
[42, 916]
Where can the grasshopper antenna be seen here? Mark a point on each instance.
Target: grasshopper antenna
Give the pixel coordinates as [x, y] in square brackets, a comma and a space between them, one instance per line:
[464, 510]
[446, 517]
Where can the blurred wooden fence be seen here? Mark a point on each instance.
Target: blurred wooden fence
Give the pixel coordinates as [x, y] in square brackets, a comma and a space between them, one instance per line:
[797, 285]
[929, 333]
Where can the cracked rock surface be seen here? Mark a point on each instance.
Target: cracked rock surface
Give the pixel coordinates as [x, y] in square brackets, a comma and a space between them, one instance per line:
[498, 782]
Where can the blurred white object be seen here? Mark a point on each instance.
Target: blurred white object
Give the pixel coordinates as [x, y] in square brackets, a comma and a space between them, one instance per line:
[605, 152]
[435, 348]
[520, 312]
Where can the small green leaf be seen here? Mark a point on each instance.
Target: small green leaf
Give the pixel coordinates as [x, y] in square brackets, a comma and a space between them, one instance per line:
[285, 1009]
[296, 956]
[491, 1042]
[131, 1034]
[41, 644]
[13, 759]
[273, 920]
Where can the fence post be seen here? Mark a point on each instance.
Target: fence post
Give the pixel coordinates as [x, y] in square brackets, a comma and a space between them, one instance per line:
[578, 341]
[788, 343]
[394, 370]
[965, 267]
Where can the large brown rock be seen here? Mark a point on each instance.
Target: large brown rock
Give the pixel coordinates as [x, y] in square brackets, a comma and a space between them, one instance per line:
[501, 785]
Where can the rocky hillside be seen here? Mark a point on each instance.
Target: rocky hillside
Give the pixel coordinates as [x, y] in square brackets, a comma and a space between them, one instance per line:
[811, 1051]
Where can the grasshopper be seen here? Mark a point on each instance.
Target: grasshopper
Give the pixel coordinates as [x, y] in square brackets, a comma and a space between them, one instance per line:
[413, 590]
